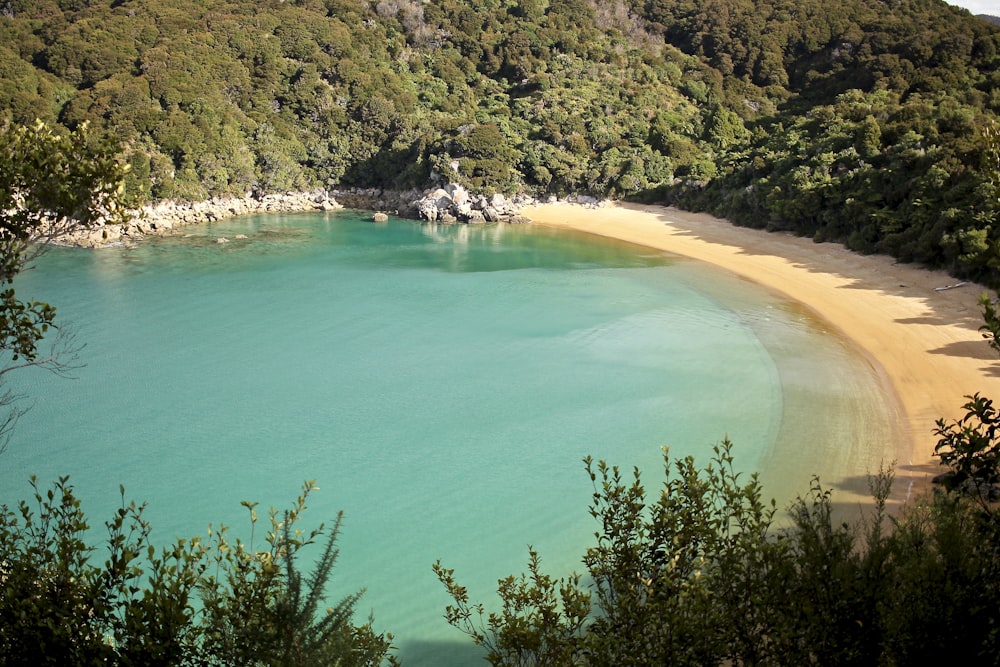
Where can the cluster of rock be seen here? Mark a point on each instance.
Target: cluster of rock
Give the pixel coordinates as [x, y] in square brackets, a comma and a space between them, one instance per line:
[453, 203]
[449, 204]
[167, 216]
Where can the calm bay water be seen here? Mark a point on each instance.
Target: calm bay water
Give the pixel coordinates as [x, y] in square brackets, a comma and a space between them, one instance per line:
[441, 384]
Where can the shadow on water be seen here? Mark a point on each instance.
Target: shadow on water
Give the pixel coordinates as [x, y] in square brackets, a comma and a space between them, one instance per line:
[441, 654]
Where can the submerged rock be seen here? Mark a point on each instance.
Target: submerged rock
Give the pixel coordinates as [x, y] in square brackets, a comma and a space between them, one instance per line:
[167, 215]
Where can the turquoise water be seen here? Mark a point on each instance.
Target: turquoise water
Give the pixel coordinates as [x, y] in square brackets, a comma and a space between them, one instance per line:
[441, 384]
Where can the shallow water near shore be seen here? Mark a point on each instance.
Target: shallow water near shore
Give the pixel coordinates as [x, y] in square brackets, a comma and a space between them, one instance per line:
[441, 384]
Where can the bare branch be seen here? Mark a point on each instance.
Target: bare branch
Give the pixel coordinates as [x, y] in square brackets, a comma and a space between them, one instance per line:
[10, 413]
[62, 359]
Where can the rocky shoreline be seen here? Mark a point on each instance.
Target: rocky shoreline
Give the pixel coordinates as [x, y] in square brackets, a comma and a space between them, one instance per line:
[449, 204]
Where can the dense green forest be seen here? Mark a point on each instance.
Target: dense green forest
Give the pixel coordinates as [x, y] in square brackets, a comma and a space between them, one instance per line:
[871, 123]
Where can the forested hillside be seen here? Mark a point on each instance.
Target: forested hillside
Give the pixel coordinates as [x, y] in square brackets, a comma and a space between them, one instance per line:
[869, 122]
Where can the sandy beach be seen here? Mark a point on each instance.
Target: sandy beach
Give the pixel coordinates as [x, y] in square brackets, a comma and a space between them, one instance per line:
[924, 339]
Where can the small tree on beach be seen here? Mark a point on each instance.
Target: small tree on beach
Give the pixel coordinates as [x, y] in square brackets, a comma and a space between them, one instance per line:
[970, 446]
[991, 321]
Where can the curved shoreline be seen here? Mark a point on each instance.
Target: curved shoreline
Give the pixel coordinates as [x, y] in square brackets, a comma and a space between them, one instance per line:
[925, 340]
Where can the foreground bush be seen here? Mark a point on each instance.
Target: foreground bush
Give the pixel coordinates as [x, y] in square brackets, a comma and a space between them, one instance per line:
[700, 573]
[194, 603]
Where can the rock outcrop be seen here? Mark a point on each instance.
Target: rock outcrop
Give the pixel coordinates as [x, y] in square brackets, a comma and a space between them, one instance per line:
[453, 203]
[166, 216]
[449, 204]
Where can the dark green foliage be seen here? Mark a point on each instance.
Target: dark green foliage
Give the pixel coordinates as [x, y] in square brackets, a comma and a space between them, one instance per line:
[47, 584]
[701, 573]
[970, 447]
[346, 93]
[866, 173]
[60, 607]
[258, 608]
[217, 603]
[542, 621]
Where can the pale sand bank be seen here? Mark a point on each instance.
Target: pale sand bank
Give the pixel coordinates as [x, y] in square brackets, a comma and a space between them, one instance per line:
[925, 341]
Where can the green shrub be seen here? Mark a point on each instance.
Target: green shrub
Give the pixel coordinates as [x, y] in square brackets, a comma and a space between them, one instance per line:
[220, 602]
[701, 573]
